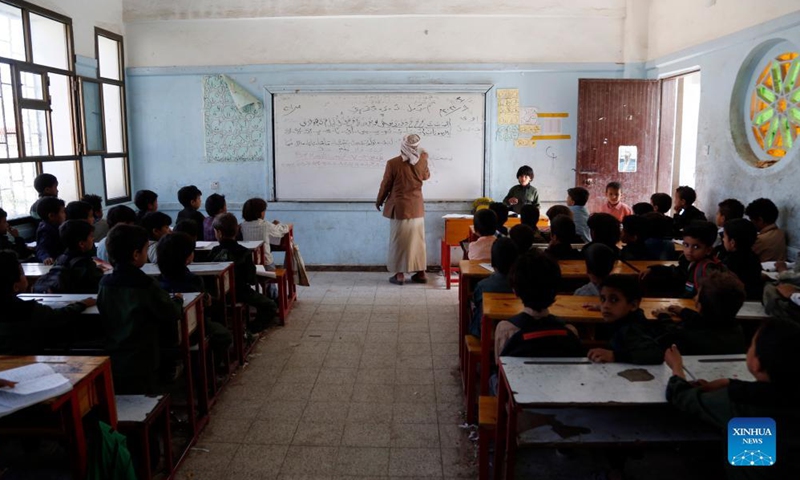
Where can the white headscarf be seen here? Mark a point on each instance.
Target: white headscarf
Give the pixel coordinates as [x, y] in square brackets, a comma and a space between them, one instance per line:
[409, 148]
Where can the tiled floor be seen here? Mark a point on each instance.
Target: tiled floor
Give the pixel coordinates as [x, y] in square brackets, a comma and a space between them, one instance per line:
[362, 382]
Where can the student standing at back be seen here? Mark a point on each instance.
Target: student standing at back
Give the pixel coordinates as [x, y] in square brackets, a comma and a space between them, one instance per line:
[215, 204]
[74, 271]
[524, 193]
[256, 228]
[47, 186]
[685, 211]
[121, 214]
[613, 204]
[191, 198]
[48, 242]
[770, 245]
[146, 201]
[577, 198]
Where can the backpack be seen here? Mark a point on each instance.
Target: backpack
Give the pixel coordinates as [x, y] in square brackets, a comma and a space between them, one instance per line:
[58, 278]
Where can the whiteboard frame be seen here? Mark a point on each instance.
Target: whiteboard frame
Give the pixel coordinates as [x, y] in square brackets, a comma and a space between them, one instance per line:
[271, 90]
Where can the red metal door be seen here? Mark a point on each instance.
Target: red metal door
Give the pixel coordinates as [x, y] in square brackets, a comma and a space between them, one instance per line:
[614, 114]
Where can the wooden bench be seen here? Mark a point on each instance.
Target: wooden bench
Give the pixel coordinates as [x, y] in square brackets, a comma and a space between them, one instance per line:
[487, 423]
[472, 344]
[138, 415]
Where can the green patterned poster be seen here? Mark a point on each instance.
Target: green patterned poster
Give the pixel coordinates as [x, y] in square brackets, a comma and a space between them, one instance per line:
[235, 127]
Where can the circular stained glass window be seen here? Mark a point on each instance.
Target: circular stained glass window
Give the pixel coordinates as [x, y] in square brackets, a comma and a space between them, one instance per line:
[774, 108]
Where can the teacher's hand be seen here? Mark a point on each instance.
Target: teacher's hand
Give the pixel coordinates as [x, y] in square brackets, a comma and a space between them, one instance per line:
[378, 206]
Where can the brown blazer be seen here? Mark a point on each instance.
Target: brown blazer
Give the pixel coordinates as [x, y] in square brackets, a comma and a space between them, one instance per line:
[401, 188]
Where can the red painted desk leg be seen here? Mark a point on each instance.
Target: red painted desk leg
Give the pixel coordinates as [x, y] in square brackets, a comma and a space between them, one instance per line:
[187, 359]
[446, 263]
[77, 445]
[503, 404]
[487, 358]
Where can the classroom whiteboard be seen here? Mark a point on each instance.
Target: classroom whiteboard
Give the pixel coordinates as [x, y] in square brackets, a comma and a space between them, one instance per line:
[334, 146]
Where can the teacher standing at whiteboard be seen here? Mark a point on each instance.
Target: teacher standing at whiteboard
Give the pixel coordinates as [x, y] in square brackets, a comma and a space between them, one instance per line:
[401, 192]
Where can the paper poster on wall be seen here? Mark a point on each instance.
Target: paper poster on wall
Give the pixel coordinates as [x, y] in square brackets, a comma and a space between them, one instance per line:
[529, 129]
[528, 116]
[507, 106]
[627, 158]
[507, 133]
[235, 125]
[524, 142]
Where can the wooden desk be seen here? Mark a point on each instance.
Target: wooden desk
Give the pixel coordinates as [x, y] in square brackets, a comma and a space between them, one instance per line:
[34, 271]
[257, 247]
[470, 273]
[712, 367]
[643, 265]
[576, 269]
[92, 387]
[286, 245]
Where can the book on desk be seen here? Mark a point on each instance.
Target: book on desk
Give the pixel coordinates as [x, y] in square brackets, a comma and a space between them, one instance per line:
[34, 383]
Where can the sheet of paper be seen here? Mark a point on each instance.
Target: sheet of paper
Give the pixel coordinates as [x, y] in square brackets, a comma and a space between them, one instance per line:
[35, 383]
[487, 266]
[507, 133]
[529, 129]
[524, 142]
[457, 215]
[770, 266]
[528, 116]
[507, 106]
[265, 273]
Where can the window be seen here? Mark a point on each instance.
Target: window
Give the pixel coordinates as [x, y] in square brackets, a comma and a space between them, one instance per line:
[37, 117]
[110, 117]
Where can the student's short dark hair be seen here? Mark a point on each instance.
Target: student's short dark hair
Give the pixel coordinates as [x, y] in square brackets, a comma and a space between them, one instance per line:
[642, 207]
[78, 210]
[122, 241]
[120, 214]
[614, 186]
[3, 213]
[143, 198]
[49, 206]
[721, 295]
[662, 202]
[525, 170]
[10, 272]
[155, 221]
[764, 209]
[579, 195]
[227, 225]
[731, 209]
[187, 194]
[743, 232]
[485, 222]
[522, 236]
[504, 253]
[686, 194]
[172, 251]
[43, 181]
[187, 226]
[94, 200]
[252, 208]
[705, 232]
[501, 211]
[776, 346]
[627, 284]
[604, 228]
[529, 215]
[557, 210]
[659, 225]
[563, 227]
[636, 225]
[600, 260]
[214, 204]
[535, 278]
[73, 232]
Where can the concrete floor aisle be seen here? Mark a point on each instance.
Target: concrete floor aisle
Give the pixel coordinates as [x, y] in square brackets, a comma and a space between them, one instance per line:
[361, 383]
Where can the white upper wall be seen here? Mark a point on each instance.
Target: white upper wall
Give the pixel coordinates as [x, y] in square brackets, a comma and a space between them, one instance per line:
[85, 15]
[678, 24]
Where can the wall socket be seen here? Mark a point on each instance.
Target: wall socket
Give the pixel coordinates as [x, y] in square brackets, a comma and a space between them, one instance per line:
[214, 185]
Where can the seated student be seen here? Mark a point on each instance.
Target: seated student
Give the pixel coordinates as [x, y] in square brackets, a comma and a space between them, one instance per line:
[26, 326]
[738, 238]
[215, 204]
[191, 198]
[557, 210]
[139, 318]
[74, 271]
[535, 332]
[485, 222]
[47, 186]
[685, 211]
[120, 214]
[642, 208]
[613, 204]
[524, 193]
[100, 225]
[771, 359]
[229, 250]
[562, 232]
[255, 228]
[782, 301]
[175, 253]
[605, 229]
[600, 261]
[770, 245]
[529, 215]
[696, 262]
[711, 328]
[501, 211]
[635, 338]
[156, 224]
[189, 227]
[10, 239]
[635, 231]
[522, 236]
[576, 201]
[80, 211]
[729, 209]
[146, 201]
[659, 242]
[504, 253]
[48, 241]
[661, 202]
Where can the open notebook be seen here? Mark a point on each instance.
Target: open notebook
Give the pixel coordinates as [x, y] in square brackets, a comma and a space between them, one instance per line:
[35, 383]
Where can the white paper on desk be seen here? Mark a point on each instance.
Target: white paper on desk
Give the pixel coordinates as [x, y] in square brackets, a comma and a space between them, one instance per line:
[457, 215]
[770, 266]
[266, 273]
[487, 266]
[772, 275]
[35, 383]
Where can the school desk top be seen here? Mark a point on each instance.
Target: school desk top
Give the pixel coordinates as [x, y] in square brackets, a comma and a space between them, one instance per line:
[570, 269]
[643, 265]
[57, 300]
[252, 245]
[712, 367]
[36, 270]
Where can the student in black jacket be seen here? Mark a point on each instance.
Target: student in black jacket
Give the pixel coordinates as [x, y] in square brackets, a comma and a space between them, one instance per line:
[562, 232]
[191, 198]
[685, 211]
[74, 271]
[635, 231]
[10, 239]
[738, 238]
